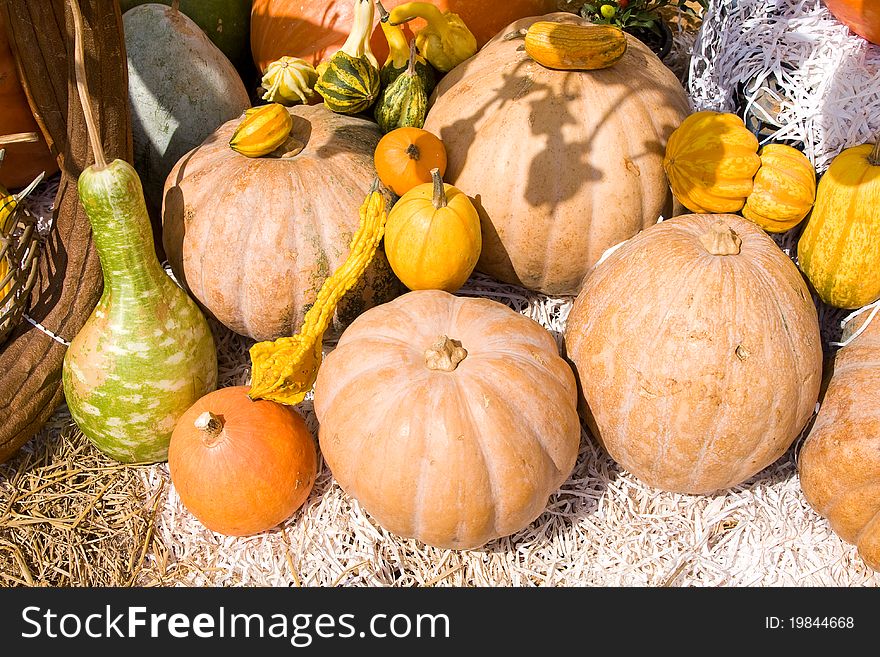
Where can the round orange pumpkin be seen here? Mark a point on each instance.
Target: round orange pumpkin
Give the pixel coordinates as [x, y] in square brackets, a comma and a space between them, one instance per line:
[697, 348]
[405, 157]
[839, 463]
[254, 238]
[450, 419]
[23, 161]
[241, 466]
[316, 29]
[562, 165]
[861, 16]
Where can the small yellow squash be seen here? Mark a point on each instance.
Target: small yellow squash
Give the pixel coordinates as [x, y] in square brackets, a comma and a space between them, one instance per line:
[839, 250]
[289, 80]
[572, 47]
[711, 161]
[784, 189]
[262, 130]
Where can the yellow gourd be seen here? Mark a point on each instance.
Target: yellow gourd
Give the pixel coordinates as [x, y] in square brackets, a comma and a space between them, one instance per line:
[284, 370]
[262, 130]
[783, 190]
[711, 161]
[445, 41]
[571, 47]
[8, 205]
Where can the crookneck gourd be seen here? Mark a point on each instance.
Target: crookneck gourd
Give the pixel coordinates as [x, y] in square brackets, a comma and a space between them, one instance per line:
[285, 369]
[146, 353]
[398, 57]
[350, 83]
[404, 102]
[445, 41]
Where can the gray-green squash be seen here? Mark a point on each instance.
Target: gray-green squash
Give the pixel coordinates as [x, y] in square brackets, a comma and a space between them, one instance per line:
[146, 353]
[181, 88]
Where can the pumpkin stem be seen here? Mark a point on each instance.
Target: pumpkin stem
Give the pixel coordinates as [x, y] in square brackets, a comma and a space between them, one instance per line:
[874, 157]
[439, 189]
[211, 427]
[444, 354]
[721, 240]
[413, 151]
[79, 66]
[175, 5]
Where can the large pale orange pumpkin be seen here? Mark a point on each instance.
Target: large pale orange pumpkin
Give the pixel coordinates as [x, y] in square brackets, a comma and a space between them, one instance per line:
[562, 164]
[697, 348]
[254, 238]
[839, 463]
[451, 419]
[316, 29]
[23, 161]
[241, 466]
[861, 16]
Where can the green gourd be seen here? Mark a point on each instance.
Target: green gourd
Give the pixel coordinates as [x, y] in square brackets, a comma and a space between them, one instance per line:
[404, 102]
[146, 353]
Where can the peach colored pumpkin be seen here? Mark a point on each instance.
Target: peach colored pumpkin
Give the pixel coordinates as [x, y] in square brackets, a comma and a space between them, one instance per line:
[253, 239]
[562, 164]
[697, 348]
[451, 447]
[839, 463]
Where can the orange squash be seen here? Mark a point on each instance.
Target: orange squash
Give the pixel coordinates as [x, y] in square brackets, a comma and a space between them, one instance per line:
[405, 157]
[861, 16]
[783, 190]
[316, 29]
[23, 161]
[241, 466]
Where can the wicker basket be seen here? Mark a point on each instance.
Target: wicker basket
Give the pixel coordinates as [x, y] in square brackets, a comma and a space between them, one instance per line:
[19, 256]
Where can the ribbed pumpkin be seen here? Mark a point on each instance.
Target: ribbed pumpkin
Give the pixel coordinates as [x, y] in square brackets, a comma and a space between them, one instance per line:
[254, 238]
[839, 250]
[450, 419]
[783, 190]
[697, 348]
[861, 16]
[314, 30]
[562, 164]
[839, 463]
[711, 161]
[23, 161]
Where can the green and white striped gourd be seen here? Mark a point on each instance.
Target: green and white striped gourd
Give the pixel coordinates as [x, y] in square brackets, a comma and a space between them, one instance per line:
[349, 82]
[146, 353]
[404, 102]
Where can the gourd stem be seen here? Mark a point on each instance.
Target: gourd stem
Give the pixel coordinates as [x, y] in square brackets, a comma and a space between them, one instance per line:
[80, 73]
[413, 151]
[411, 65]
[874, 157]
[439, 189]
[444, 355]
[383, 13]
[211, 427]
[721, 240]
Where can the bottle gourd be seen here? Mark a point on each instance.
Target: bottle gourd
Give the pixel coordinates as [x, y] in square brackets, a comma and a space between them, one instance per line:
[146, 353]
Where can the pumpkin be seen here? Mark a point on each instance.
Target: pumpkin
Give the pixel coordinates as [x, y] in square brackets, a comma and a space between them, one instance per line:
[861, 16]
[23, 161]
[316, 29]
[181, 88]
[783, 190]
[711, 161]
[405, 157]
[450, 419]
[575, 47]
[253, 239]
[241, 466]
[146, 352]
[562, 165]
[839, 463]
[227, 24]
[697, 349]
[839, 250]
[432, 239]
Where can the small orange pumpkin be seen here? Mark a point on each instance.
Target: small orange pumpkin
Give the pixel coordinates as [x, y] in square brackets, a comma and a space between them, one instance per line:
[783, 191]
[241, 466]
[404, 158]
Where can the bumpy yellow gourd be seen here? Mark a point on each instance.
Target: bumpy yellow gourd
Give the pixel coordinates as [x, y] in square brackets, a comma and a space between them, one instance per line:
[262, 130]
[571, 47]
[783, 190]
[289, 80]
[445, 41]
[284, 370]
[8, 204]
[711, 161]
